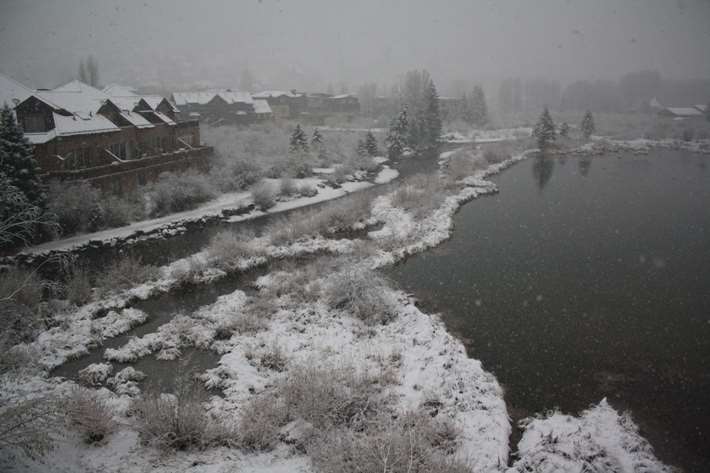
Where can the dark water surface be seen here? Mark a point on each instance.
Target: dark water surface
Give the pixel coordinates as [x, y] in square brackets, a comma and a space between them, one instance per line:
[586, 279]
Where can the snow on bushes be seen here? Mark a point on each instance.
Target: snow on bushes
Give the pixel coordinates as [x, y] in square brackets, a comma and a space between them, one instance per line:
[358, 292]
[600, 439]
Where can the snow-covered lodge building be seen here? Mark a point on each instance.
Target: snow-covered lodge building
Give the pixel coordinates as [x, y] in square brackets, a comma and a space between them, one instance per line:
[283, 104]
[113, 141]
[222, 106]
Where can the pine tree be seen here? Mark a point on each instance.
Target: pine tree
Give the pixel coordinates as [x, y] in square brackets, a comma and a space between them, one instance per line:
[371, 144]
[564, 130]
[478, 108]
[17, 162]
[396, 136]
[433, 119]
[587, 125]
[316, 138]
[83, 75]
[92, 71]
[361, 148]
[298, 142]
[544, 131]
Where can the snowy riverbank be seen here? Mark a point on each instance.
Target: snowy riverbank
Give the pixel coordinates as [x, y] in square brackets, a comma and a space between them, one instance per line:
[427, 368]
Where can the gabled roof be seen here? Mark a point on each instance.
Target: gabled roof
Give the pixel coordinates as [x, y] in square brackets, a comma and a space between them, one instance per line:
[684, 111]
[185, 98]
[126, 102]
[75, 97]
[342, 96]
[73, 125]
[119, 90]
[155, 100]
[275, 94]
[702, 108]
[12, 92]
[232, 97]
[136, 119]
[261, 107]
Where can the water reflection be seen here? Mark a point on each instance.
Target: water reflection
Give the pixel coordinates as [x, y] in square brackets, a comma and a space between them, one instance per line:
[585, 165]
[542, 170]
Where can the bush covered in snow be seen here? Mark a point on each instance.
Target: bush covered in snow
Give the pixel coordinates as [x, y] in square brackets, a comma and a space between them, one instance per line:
[420, 194]
[126, 273]
[89, 415]
[358, 292]
[264, 195]
[27, 427]
[178, 192]
[228, 249]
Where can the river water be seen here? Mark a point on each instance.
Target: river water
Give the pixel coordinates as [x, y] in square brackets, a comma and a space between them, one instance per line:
[584, 279]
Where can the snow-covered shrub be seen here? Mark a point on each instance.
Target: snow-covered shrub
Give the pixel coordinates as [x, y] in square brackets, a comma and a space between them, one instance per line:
[177, 192]
[27, 427]
[332, 396]
[264, 195]
[307, 190]
[126, 273]
[359, 293]
[227, 249]
[288, 187]
[464, 163]
[231, 175]
[117, 211]
[190, 274]
[89, 415]
[408, 444]
[260, 421]
[420, 194]
[77, 206]
[273, 358]
[95, 374]
[179, 421]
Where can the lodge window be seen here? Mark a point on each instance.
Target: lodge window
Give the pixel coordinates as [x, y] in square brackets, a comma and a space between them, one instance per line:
[118, 149]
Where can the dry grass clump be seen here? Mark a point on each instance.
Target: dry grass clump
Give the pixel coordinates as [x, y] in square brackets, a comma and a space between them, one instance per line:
[288, 187]
[90, 415]
[227, 249]
[464, 163]
[264, 195]
[303, 283]
[413, 443]
[190, 275]
[179, 421]
[77, 287]
[21, 294]
[420, 194]
[260, 422]
[307, 190]
[126, 273]
[362, 294]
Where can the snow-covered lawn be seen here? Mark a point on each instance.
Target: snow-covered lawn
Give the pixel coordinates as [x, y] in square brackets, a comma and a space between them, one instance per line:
[428, 367]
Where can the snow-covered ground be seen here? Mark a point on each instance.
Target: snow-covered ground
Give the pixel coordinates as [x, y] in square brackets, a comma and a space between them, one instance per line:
[486, 136]
[173, 223]
[427, 363]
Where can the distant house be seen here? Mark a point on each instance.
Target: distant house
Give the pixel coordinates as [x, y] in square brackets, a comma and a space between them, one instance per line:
[113, 142]
[702, 108]
[344, 103]
[262, 110]
[284, 104]
[219, 106]
[681, 113]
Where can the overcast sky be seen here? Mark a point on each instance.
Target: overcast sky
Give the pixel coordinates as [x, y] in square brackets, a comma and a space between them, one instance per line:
[310, 43]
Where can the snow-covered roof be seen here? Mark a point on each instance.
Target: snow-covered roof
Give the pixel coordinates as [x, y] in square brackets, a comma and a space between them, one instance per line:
[125, 102]
[702, 108]
[155, 100]
[684, 111]
[164, 118]
[275, 94]
[76, 97]
[261, 107]
[12, 92]
[185, 98]
[119, 90]
[136, 119]
[73, 125]
[232, 97]
[342, 96]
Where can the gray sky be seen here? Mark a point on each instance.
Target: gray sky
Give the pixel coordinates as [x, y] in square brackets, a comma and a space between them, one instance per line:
[310, 43]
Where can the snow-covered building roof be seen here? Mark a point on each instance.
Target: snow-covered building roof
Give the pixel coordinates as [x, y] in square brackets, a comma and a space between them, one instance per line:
[73, 125]
[232, 97]
[164, 118]
[12, 92]
[75, 97]
[683, 111]
[275, 94]
[155, 100]
[136, 119]
[119, 90]
[126, 102]
[702, 108]
[186, 98]
[342, 96]
[261, 107]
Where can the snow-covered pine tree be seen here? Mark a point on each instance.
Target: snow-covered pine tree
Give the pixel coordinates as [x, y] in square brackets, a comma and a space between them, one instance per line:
[316, 138]
[479, 109]
[564, 130]
[17, 162]
[587, 125]
[544, 131]
[432, 118]
[371, 144]
[396, 139]
[298, 142]
[361, 148]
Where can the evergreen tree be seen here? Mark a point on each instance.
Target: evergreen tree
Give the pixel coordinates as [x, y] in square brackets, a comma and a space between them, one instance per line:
[317, 138]
[432, 119]
[544, 131]
[396, 136]
[478, 108]
[83, 75]
[298, 142]
[361, 148]
[371, 144]
[564, 130]
[92, 71]
[587, 125]
[17, 162]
